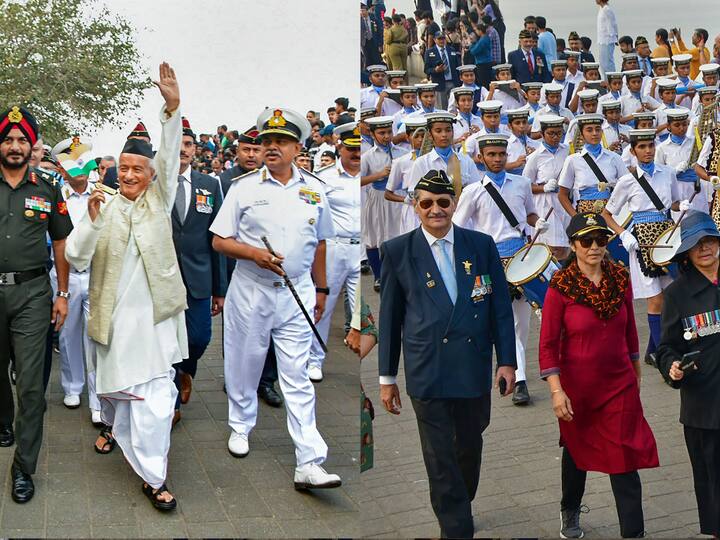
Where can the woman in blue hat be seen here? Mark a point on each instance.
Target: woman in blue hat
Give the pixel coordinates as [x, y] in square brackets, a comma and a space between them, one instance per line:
[688, 357]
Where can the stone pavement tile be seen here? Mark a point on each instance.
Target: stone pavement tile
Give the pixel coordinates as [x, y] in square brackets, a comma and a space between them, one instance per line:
[77, 530]
[287, 502]
[65, 462]
[419, 516]
[304, 528]
[344, 525]
[222, 529]
[258, 527]
[394, 504]
[377, 526]
[24, 516]
[111, 531]
[22, 533]
[110, 508]
[162, 528]
[199, 505]
[243, 502]
[67, 508]
[675, 502]
[328, 502]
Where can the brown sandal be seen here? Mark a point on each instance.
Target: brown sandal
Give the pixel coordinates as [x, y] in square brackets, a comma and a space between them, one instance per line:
[105, 433]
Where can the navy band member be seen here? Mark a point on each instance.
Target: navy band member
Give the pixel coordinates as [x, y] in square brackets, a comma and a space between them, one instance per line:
[477, 210]
[552, 106]
[467, 77]
[615, 134]
[369, 95]
[588, 106]
[491, 115]
[31, 206]
[445, 303]
[408, 100]
[520, 145]
[466, 123]
[291, 209]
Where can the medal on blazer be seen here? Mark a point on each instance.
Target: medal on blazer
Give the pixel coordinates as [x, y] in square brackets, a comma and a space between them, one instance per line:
[468, 266]
[203, 203]
[431, 283]
[702, 324]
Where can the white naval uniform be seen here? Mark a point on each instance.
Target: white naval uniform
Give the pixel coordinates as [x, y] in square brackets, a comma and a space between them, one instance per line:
[545, 110]
[661, 118]
[630, 104]
[517, 147]
[541, 166]
[399, 183]
[577, 175]
[471, 146]
[344, 251]
[452, 106]
[317, 159]
[477, 210]
[461, 126]
[612, 134]
[685, 100]
[432, 161]
[610, 96]
[398, 126]
[294, 217]
[628, 158]
[564, 99]
[380, 217]
[628, 191]
[77, 352]
[671, 154]
[508, 101]
[389, 107]
[575, 79]
[368, 97]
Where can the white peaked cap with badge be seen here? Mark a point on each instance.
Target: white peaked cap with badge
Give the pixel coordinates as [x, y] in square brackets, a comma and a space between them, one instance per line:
[283, 122]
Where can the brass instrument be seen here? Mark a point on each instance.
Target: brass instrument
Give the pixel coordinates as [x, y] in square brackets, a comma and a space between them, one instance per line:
[577, 141]
[707, 123]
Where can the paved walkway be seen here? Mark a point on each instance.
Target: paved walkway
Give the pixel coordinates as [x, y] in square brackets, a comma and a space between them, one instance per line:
[519, 493]
[83, 494]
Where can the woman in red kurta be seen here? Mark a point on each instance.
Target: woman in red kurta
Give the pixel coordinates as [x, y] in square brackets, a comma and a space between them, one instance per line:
[589, 356]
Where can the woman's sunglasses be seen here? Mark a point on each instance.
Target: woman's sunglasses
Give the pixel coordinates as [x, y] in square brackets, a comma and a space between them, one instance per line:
[425, 204]
[587, 241]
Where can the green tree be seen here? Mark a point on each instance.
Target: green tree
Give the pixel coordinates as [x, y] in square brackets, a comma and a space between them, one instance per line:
[72, 63]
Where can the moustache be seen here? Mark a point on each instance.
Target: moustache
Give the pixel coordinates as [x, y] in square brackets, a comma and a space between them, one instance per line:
[437, 214]
[272, 154]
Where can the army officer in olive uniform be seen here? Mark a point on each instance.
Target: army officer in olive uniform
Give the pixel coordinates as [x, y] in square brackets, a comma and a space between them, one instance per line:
[31, 206]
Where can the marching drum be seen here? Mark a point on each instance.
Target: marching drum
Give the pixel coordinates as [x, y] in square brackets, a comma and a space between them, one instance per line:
[662, 255]
[532, 275]
[615, 247]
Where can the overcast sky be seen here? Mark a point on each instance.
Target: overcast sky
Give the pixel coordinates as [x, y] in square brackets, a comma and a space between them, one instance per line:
[233, 58]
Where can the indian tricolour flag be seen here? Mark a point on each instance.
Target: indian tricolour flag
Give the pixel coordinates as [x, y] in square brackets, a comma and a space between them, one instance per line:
[82, 165]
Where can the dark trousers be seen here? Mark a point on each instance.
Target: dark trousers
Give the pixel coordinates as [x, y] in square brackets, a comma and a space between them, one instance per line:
[704, 449]
[25, 311]
[199, 331]
[626, 489]
[269, 373]
[451, 439]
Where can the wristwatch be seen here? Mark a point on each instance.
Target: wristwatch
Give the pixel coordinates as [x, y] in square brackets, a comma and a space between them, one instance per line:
[63, 294]
[324, 290]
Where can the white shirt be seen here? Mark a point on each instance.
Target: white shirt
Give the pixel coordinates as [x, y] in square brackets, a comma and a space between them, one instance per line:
[389, 107]
[477, 210]
[630, 104]
[368, 97]
[542, 165]
[628, 191]
[399, 119]
[612, 134]
[436, 248]
[186, 186]
[607, 30]
[661, 117]
[577, 175]
[575, 79]
[399, 179]
[294, 217]
[376, 159]
[76, 202]
[508, 101]
[671, 154]
[562, 111]
[318, 155]
[343, 194]
[471, 146]
[461, 126]
[452, 106]
[705, 153]
[432, 161]
[516, 147]
[564, 99]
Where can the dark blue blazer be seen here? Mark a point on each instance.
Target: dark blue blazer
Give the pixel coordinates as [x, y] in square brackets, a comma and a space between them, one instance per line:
[433, 59]
[204, 270]
[521, 71]
[447, 348]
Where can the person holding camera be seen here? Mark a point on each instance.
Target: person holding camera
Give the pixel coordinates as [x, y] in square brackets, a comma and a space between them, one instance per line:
[687, 357]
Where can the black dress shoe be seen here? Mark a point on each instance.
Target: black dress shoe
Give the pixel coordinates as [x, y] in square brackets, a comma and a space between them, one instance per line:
[270, 396]
[650, 359]
[376, 285]
[7, 436]
[23, 488]
[364, 267]
[521, 396]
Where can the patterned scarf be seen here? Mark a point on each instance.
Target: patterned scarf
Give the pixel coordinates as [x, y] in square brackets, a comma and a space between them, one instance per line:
[604, 300]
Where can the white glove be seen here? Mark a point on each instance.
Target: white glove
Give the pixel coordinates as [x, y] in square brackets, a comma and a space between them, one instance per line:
[715, 181]
[408, 199]
[541, 225]
[681, 167]
[551, 186]
[629, 242]
[684, 205]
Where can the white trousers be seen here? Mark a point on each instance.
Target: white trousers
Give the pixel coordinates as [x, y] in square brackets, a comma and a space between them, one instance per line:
[343, 269]
[254, 312]
[521, 313]
[141, 417]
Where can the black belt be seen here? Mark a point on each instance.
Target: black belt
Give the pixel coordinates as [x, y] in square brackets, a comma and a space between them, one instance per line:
[15, 278]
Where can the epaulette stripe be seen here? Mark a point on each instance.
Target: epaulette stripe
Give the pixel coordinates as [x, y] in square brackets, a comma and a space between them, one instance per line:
[244, 175]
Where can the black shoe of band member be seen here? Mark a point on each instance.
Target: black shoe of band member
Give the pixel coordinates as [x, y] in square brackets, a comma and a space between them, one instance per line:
[650, 359]
[521, 396]
[570, 524]
[376, 285]
[365, 268]
[7, 436]
[23, 488]
[270, 396]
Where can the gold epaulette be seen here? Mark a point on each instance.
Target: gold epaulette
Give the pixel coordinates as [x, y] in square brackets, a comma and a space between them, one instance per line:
[244, 175]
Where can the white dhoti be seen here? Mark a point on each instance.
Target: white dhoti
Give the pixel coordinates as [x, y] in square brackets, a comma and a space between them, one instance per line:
[256, 310]
[521, 313]
[343, 270]
[381, 218]
[141, 419]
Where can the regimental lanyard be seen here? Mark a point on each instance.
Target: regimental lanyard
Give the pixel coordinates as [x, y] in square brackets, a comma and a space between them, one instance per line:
[702, 324]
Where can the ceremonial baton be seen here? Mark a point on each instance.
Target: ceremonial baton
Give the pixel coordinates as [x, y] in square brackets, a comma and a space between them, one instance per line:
[681, 217]
[289, 285]
[537, 233]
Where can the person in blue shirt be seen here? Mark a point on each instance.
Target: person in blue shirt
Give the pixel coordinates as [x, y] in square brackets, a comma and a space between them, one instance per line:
[481, 50]
[546, 40]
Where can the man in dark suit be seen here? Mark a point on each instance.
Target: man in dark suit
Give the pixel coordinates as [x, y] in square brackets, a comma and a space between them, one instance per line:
[529, 63]
[248, 158]
[441, 62]
[445, 302]
[204, 270]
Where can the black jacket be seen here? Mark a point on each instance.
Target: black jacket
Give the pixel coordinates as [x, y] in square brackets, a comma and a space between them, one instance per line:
[692, 294]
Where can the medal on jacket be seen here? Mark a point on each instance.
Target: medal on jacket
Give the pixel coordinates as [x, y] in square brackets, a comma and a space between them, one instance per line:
[702, 324]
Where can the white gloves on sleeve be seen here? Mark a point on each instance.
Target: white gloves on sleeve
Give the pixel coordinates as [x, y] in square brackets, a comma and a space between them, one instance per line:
[629, 242]
[681, 167]
[541, 225]
[684, 205]
[551, 186]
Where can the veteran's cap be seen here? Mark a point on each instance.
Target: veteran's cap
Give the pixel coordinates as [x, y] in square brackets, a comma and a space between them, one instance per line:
[437, 182]
[587, 222]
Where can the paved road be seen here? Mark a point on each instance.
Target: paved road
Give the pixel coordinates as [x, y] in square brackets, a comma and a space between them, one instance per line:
[82, 494]
[519, 493]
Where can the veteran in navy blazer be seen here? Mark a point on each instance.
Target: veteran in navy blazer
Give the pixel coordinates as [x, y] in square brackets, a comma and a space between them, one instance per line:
[441, 62]
[445, 304]
[521, 64]
[204, 270]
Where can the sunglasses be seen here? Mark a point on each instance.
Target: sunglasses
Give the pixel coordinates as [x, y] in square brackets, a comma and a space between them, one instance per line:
[587, 241]
[426, 204]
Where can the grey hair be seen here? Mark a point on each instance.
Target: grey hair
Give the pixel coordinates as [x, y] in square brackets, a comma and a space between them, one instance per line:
[109, 158]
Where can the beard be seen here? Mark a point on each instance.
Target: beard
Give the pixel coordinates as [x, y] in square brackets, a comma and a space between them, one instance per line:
[6, 163]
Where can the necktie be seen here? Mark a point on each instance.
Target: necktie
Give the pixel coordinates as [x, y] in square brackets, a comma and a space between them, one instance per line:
[530, 63]
[443, 55]
[180, 203]
[447, 270]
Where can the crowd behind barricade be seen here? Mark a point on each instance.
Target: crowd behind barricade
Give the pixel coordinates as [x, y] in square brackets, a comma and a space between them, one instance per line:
[592, 185]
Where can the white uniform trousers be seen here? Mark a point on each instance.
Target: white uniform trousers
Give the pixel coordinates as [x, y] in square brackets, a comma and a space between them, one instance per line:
[343, 269]
[521, 313]
[256, 310]
[141, 418]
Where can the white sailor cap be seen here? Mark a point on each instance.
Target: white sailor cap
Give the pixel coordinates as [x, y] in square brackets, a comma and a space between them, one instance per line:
[462, 91]
[376, 67]
[395, 73]
[379, 122]
[513, 114]
[502, 67]
[553, 88]
[708, 89]
[570, 52]
[439, 116]
[679, 113]
[588, 66]
[667, 84]
[426, 87]
[466, 67]
[661, 60]
[710, 68]
[533, 85]
[367, 112]
[558, 63]
[415, 122]
[589, 94]
[680, 59]
[632, 73]
[492, 139]
[589, 119]
[550, 120]
[489, 107]
[407, 89]
[641, 135]
[609, 75]
[630, 56]
[611, 104]
[644, 115]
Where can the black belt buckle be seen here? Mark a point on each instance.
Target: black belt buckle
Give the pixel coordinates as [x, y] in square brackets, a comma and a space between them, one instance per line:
[7, 278]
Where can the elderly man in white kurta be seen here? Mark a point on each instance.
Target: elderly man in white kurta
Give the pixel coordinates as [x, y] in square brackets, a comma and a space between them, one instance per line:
[137, 298]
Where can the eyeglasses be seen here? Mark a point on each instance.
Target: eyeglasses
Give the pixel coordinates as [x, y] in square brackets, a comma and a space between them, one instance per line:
[426, 204]
[587, 241]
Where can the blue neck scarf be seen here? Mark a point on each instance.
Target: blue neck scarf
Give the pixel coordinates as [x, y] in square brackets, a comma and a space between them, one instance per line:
[636, 95]
[555, 108]
[594, 149]
[551, 149]
[648, 167]
[677, 139]
[561, 83]
[685, 80]
[496, 130]
[385, 148]
[378, 89]
[428, 111]
[408, 110]
[616, 95]
[522, 139]
[534, 106]
[368, 139]
[466, 116]
[498, 178]
[444, 153]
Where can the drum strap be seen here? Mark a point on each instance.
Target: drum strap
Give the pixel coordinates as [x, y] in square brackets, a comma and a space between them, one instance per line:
[650, 192]
[502, 205]
[595, 169]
